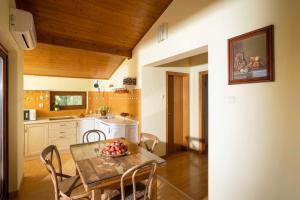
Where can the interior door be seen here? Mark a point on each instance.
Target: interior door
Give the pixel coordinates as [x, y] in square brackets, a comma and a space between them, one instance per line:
[3, 126]
[177, 107]
[177, 114]
[170, 105]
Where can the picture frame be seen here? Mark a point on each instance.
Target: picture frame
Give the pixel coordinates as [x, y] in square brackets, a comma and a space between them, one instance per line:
[251, 57]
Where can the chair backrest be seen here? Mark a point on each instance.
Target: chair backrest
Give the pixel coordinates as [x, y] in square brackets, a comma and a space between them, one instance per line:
[47, 159]
[87, 134]
[149, 165]
[149, 137]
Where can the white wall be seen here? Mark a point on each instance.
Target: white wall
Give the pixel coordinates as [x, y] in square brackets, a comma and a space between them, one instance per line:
[32, 82]
[56, 83]
[254, 128]
[154, 97]
[15, 104]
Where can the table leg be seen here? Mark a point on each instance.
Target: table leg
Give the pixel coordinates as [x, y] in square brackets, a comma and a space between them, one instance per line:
[154, 188]
[96, 194]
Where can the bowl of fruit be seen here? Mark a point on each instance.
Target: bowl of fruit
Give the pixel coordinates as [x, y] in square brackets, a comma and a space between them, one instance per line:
[114, 149]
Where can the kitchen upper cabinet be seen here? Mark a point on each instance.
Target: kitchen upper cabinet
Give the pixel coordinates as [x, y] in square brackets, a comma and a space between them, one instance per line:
[36, 139]
[84, 126]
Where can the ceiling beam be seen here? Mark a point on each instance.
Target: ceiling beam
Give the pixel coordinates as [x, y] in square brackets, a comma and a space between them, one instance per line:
[49, 38]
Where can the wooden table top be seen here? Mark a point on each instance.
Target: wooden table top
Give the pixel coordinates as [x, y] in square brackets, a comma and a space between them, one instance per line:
[96, 170]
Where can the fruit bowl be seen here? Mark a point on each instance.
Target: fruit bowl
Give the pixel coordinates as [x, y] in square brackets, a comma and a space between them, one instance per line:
[114, 149]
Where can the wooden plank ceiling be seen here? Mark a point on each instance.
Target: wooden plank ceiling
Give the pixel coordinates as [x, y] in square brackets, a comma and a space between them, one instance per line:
[111, 27]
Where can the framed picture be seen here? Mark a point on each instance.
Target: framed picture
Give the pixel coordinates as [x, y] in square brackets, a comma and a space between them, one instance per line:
[251, 57]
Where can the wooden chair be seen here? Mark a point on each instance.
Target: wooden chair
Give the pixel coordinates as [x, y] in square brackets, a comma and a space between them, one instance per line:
[149, 137]
[137, 190]
[65, 186]
[85, 137]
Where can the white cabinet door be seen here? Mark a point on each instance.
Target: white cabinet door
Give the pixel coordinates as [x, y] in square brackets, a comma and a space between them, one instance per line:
[99, 125]
[85, 125]
[132, 133]
[36, 139]
[117, 131]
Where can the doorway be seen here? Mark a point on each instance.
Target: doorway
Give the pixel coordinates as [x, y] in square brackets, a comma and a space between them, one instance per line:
[177, 111]
[203, 105]
[3, 125]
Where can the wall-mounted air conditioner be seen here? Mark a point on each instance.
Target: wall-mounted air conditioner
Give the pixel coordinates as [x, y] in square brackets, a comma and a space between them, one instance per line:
[22, 28]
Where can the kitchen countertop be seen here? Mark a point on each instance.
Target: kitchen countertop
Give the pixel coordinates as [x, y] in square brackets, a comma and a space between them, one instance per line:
[115, 121]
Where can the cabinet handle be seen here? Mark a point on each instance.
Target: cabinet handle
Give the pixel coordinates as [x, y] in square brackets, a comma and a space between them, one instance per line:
[62, 132]
[61, 137]
[62, 125]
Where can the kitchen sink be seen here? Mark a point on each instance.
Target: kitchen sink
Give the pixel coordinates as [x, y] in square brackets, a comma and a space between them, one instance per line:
[61, 118]
[106, 117]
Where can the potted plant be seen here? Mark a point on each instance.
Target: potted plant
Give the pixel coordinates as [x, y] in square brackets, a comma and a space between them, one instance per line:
[56, 107]
[103, 110]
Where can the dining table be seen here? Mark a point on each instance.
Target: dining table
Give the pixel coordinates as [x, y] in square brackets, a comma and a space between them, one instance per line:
[100, 173]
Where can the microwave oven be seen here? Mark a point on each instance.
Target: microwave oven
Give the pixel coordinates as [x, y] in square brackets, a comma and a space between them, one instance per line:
[30, 114]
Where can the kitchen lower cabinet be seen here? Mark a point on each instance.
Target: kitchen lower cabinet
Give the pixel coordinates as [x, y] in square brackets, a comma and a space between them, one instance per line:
[62, 134]
[65, 133]
[132, 133]
[117, 131]
[85, 125]
[99, 125]
[63, 142]
[36, 139]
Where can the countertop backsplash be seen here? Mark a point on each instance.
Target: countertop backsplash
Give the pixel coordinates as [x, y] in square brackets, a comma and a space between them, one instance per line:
[117, 103]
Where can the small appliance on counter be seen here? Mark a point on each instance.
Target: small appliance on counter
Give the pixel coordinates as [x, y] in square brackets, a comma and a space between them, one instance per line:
[29, 114]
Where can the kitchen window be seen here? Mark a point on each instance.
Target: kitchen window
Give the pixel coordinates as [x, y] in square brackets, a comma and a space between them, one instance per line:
[67, 100]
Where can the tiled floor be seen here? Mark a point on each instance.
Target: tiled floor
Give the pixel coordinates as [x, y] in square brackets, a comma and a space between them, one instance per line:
[183, 178]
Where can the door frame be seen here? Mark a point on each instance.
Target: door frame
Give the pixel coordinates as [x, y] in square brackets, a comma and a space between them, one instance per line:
[202, 110]
[185, 136]
[4, 54]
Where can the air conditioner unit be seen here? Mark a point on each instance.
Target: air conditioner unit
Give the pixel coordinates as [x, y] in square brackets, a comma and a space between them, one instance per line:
[22, 28]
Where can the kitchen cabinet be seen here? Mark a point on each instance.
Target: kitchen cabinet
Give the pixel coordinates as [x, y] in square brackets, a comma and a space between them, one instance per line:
[85, 125]
[117, 131]
[63, 142]
[131, 133]
[99, 125]
[36, 139]
[62, 134]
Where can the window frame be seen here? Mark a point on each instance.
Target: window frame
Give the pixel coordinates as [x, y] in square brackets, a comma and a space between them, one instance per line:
[67, 93]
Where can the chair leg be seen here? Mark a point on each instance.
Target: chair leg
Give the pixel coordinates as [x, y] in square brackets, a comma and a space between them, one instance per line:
[154, 187]
[96, 194]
